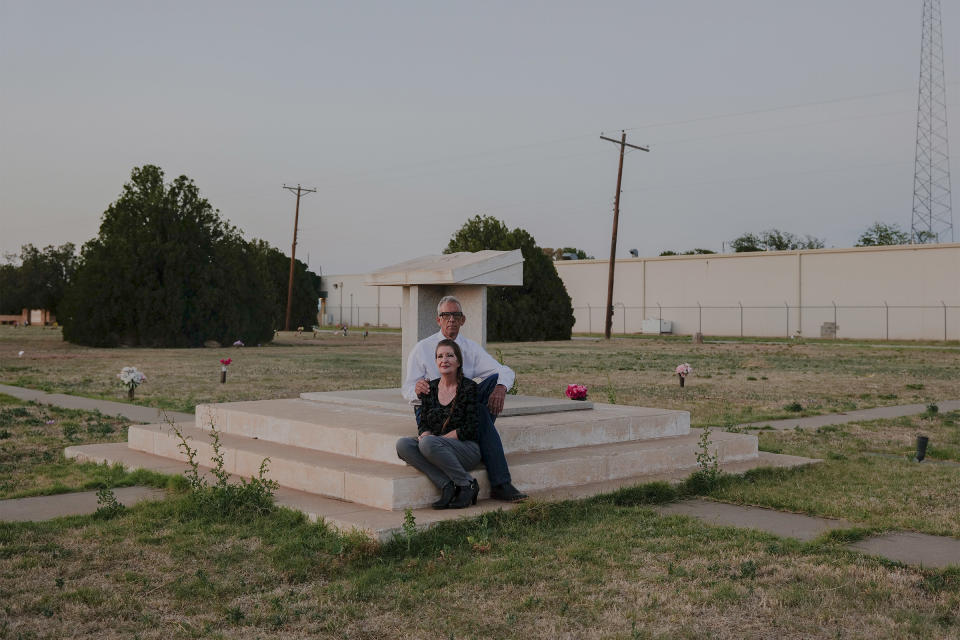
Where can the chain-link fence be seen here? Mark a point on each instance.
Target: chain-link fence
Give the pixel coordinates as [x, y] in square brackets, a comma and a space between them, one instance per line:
[362, 316]
[880, 321]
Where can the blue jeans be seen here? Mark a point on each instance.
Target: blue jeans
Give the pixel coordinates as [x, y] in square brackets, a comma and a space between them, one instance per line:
[491, 448]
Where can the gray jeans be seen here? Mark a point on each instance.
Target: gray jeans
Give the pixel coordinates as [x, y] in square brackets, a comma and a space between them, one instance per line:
[442, 459]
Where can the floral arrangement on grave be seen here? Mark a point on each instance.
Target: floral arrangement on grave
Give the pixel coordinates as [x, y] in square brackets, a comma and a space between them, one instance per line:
[224, 363]
[576, 391]
[683, 370]
[131, 378]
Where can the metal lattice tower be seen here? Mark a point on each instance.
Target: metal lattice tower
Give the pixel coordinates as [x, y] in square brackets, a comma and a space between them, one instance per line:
[932, 219]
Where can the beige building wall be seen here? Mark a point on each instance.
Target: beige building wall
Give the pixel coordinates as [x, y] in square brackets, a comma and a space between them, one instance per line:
[901, 292]
[908, 292]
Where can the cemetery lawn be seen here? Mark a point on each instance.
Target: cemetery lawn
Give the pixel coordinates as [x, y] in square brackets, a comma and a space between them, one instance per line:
[607, 567]
[733, 381]
[603, 567]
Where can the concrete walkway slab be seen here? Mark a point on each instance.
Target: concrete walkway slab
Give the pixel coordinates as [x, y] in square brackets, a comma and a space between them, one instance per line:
[877, 413]
[780, 523]
[69, 504]
[132, 412]
[910, 547]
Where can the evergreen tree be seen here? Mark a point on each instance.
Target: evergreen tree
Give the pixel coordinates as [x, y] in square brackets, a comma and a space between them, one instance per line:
[275, 268]
[165, 271]
[538, 310]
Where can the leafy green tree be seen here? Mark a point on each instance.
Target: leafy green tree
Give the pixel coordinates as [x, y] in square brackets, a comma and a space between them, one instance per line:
[689, 252]
[165, 271]
[41, 279]
[746, 243]
[880, 234]
[538, 310]
[10, 289]
[558, 254]
[275, 269]
[774, 240]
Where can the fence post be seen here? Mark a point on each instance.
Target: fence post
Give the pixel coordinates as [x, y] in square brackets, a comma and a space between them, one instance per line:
[834, 319]
[944, 320]
[660, 319]
[699, 318]
[589, 320]
[886, 315]
[787, 307]
[740, 303]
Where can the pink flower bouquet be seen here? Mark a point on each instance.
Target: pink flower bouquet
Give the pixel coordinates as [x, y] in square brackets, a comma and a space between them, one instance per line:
[683, 370]
[576, 391]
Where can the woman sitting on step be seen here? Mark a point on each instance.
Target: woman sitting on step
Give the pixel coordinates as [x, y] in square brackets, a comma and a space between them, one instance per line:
[446, 446]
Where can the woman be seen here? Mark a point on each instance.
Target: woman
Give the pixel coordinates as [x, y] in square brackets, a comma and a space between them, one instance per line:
[446, 446]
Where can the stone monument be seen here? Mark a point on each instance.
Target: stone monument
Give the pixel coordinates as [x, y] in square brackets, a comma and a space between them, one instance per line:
[464, 275]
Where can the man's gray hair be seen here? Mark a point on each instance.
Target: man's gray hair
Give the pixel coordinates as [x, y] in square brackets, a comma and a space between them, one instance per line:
[444, 300]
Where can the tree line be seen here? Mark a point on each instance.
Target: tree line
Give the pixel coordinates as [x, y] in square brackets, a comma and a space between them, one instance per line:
[165, 270]
[877, 234]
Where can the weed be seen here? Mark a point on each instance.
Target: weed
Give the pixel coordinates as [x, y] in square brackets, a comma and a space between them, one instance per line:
[748, 570]
[4, 434]
[70, 431]
[109, 507]
[611, 392]
[707, 476]
[932, 410]
[915, 387]
[751, 378]
[224, 500]
[409, 526]
[794, 407]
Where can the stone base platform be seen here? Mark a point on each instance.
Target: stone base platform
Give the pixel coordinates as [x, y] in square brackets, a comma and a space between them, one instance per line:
[341, 445]
[382, 524]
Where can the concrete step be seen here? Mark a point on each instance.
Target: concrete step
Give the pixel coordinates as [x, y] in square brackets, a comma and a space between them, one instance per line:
[391, 486]
[371, 433]
[383, 524]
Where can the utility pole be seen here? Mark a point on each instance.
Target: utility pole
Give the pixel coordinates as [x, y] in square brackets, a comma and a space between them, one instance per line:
[616, 221]
[293, 249]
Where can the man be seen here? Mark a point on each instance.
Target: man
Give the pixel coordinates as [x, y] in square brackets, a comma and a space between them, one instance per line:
[477, 363]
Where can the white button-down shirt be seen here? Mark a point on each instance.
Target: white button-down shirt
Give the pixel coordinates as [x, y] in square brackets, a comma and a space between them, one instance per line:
[477, 363]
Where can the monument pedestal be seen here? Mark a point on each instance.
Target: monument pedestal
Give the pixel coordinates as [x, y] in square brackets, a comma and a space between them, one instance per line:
[341, 445]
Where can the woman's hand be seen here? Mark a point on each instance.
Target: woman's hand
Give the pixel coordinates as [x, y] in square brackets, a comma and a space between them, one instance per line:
[451, 434]
[424, 435]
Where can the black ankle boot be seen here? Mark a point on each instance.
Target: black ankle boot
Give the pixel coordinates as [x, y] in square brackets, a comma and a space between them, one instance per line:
[447, 492]
[465, 496]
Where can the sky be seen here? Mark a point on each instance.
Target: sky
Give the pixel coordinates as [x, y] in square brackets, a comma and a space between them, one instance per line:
[410, 117]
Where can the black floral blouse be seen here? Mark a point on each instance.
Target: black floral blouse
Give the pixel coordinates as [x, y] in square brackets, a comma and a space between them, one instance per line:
[464, 419]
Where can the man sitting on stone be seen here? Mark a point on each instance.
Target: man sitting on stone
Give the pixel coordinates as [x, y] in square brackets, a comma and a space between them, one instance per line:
[477, 363]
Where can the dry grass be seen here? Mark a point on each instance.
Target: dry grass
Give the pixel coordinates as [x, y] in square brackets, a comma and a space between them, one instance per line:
[575, 570]
[733, 382]
[866, 476]
[603, 568]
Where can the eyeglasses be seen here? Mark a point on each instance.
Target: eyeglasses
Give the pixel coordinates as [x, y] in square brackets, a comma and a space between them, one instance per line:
[451, 314]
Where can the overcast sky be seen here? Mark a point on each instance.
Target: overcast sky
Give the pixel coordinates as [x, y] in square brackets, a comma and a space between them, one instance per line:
[410, 117]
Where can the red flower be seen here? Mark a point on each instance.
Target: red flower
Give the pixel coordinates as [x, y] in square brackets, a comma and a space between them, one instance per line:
[226, 361]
